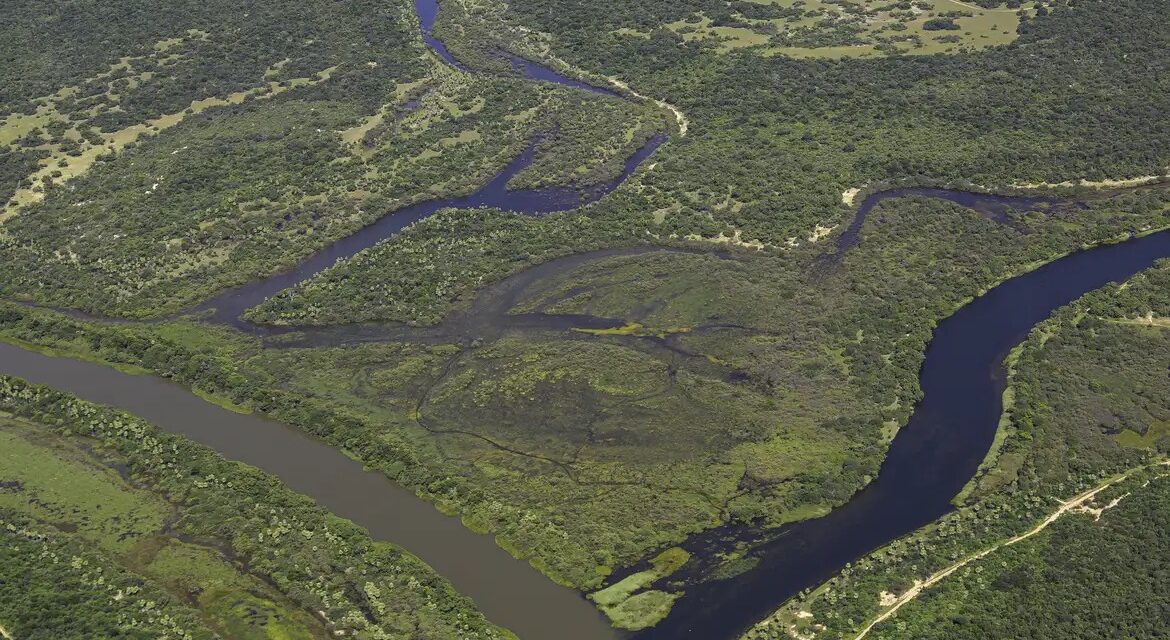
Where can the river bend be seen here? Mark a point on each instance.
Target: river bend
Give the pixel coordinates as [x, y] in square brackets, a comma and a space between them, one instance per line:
[928, 462]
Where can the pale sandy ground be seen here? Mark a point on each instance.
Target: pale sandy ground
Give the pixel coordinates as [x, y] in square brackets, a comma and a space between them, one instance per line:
[982, 9]
[820, 232]
[5, 634]
[1149, 320]
[1096, 184]
[1075, 504]
[679, 116]
[117, 141]
[849, 195]
[734, 239]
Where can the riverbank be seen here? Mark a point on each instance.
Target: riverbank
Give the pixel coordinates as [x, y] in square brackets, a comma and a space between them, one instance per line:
[339, 439]
[1120, 259]
[679, 116]
[1060, 442]
[942, 444]
[328, 420]
[473, 563]
[1095, 184]
[1072, 505]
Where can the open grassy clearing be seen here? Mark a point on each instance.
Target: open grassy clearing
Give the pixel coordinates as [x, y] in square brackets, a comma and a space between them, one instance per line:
[62, 486]
[820, 28]
[630, 605]
[1148, 320]
[72, 158]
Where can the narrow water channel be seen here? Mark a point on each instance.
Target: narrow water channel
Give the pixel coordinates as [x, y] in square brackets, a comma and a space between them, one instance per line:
[929, 460]
[510, 592]
[227, 307]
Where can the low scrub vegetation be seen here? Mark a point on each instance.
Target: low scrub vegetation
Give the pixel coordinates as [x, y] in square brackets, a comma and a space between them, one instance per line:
[112, 528]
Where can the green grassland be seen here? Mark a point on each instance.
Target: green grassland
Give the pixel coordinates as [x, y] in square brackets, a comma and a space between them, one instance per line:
[74, 495]
[56, 484]
[630, 604]
[845, 29]
[113, 529]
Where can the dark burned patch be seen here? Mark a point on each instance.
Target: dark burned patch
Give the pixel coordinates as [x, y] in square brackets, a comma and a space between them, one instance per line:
[751, 484]
[738, 377]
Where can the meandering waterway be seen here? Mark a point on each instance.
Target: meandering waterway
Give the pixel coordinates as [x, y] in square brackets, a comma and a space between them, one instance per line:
[931, 458]
[928, 462]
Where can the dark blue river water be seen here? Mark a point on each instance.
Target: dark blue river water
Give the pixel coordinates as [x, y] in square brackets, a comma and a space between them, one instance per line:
[227, 306]
[928, 462]
[428, 12]
[931, 458]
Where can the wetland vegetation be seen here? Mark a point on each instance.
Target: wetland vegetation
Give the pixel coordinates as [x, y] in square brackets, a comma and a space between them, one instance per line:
[716, 411]
[592, 407]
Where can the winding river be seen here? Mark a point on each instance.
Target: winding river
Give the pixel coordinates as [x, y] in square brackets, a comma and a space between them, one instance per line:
[227, 307]
[928, 462]
[931, 458]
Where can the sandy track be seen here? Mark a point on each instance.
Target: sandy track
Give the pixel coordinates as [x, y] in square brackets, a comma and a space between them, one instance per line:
[679, 116]
[1148, 320]
[982, 9]
[1073, 504]
[1095, 184]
